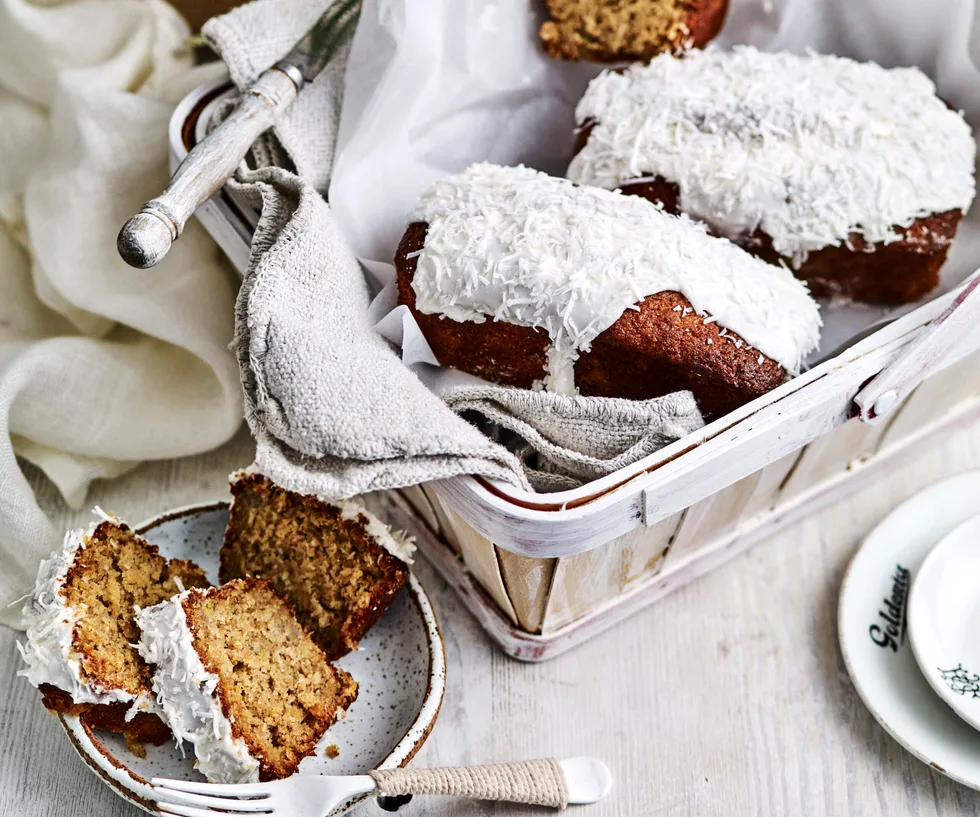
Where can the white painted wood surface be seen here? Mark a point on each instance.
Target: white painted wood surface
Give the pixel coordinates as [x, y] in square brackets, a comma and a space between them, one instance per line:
[729, 697]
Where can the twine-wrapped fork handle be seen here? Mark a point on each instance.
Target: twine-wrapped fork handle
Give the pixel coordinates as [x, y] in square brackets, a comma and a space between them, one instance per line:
[539, 782]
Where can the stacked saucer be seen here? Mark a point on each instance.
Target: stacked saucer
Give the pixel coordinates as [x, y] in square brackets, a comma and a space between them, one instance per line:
[909, 606]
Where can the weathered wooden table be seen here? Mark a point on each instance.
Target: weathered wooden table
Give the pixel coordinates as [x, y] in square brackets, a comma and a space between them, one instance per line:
[729, 697]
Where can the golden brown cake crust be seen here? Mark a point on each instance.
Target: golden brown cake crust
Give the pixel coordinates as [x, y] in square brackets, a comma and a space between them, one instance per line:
[895, 273]
[114, 571]
[662, 347]
[300, 709]
[144, 727]
[617, 30]
[294, 540]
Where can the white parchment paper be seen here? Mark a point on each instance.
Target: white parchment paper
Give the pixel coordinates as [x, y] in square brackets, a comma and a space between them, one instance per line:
[435, 85]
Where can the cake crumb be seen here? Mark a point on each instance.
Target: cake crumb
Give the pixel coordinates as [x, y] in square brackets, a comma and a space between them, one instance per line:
[612, 30]
[134, 746]
[290, 538]
[333, 751]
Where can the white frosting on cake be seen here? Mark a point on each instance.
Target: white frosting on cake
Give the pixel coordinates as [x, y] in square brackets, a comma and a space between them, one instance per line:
[50, 623]
[186, 694]
[398, 543]
[513, 244]
[809, 149]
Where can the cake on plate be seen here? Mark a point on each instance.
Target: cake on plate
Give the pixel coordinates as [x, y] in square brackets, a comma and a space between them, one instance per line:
[335, 562]
[616, 30]
[854, 175]
[531, 281]
[238, 676]
[80, 628]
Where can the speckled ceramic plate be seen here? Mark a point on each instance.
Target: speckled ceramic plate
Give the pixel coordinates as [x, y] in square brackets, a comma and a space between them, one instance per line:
[400, 666]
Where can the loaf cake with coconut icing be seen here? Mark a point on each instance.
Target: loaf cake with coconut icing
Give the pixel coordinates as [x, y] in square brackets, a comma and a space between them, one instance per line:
[854, 175]
[335, 562]
[616, 30]
[530, 281]
[238, 676]
[81, 628]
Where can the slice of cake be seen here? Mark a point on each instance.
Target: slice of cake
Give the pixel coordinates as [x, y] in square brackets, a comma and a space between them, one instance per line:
[531, 281]
[617, 30]
[854, 175]
[336, 563]
[240, 678]
[80, 628]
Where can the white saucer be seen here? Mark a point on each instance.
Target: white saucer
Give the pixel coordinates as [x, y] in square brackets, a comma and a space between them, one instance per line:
[944, 609]
[871, 621]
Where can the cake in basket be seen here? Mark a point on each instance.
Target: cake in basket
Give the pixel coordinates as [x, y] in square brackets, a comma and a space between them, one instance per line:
[336, 563]
[615, 30]
[530, 281]
[854, 175]
[240, 678]
[81, 628]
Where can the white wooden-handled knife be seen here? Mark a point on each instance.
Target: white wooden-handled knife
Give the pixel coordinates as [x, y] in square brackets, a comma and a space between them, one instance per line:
[145, 239]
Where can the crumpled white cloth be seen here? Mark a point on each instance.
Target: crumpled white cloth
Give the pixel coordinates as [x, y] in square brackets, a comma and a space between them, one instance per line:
[101, 366]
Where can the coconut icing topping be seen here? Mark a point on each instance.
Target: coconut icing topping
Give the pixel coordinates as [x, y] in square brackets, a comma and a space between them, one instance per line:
[187, 697]
[50, 622]
[809, 149]
[396, 542]
[516, 245]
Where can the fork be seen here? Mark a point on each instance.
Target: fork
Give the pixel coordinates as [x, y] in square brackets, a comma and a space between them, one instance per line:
[545, 782]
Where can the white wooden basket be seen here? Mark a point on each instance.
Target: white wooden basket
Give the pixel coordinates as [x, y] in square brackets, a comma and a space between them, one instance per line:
[543, 572]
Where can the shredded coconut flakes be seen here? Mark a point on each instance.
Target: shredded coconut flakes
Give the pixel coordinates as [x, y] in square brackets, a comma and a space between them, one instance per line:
[809, 149]
[516, 245]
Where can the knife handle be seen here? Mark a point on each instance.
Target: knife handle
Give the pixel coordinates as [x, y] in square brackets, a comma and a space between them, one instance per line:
[145, 239]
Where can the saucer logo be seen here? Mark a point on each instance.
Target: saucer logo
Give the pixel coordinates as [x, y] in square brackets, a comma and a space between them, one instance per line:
[889, 629]
[961, 681]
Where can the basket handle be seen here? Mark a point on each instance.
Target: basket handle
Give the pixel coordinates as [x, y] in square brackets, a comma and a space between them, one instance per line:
[923, 356]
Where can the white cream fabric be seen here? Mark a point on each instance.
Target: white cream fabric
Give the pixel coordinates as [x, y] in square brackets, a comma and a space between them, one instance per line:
[101, 366]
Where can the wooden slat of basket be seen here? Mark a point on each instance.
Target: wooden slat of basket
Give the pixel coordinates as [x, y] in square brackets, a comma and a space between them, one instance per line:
[643, 557]
[706, 519]
[587, 580]
[480, 557]
[832, 454]
[955, 384]
[524, 582]
[423, 507]
[528, 581]
[770, 484]
[445, 526]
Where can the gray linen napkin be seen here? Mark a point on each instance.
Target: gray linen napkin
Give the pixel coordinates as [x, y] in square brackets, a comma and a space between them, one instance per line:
[563, 442]
[333, 409]
[252, 37]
